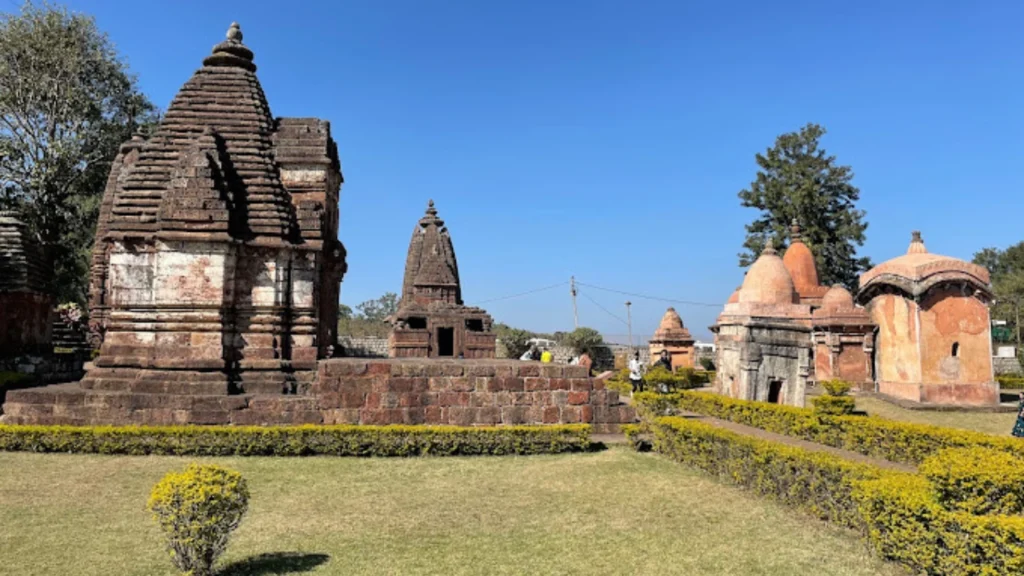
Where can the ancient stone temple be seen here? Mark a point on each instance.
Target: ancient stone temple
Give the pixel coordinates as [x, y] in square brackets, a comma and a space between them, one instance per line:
[844, 338]
[934, 340]
[217, 265]
[25, 302]
[432, 321]
[672, 336]
[763, 340]
[799, 262]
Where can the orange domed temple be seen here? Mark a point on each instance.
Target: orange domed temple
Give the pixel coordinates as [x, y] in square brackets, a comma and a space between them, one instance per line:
[672, 337]
[916, 330]
[215, 281]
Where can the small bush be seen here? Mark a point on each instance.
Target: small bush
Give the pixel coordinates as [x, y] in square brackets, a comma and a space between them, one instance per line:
[836, 387]
[977, 480]
[198, 509]
[708, 364]
[833, 405]
[309, 440]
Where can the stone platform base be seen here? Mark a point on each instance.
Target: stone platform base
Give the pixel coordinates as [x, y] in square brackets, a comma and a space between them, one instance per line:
[352, 391]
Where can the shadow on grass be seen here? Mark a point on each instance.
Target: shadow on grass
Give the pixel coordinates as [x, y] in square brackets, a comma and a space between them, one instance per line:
[274, 563]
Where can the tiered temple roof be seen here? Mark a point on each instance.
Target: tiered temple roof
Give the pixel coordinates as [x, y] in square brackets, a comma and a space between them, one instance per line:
[22, 263]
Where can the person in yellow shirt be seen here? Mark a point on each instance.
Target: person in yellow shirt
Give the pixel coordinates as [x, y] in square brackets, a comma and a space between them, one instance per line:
[546, 357]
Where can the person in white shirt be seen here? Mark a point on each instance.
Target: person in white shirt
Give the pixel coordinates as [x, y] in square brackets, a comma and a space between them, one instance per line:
[636, 373]
[529, 354]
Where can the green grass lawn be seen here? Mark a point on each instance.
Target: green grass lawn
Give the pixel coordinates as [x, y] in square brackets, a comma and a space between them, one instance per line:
[999, 423]
[611, 512]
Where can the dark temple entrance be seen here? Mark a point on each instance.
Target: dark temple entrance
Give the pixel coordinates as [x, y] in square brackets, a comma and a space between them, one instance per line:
[445, 341]
[774, 391]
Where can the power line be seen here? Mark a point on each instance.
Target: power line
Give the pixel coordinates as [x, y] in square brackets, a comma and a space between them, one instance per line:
[672, 300]
[528, 292]
[605, 310]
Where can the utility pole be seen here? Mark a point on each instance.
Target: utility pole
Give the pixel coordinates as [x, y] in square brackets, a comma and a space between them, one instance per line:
[629, 325]
[572, 290]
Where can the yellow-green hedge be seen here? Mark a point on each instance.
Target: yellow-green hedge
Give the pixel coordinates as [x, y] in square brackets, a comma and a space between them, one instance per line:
[905, 523]
[976, 480]
[1010, 382]
[833, 405]
[897, 512]
[872, 436]
[309, 440]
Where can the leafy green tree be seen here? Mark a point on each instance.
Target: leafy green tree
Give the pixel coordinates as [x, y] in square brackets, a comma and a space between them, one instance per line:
[378, 310]
[1006, 268]
[582, 340]
[798, 180]
[515, 340]
[67, 102]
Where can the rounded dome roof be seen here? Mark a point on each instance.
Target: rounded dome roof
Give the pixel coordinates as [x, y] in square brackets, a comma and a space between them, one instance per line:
[918, 270]
[768, 280]
[837, 298]
[735, 296]
[799, 261]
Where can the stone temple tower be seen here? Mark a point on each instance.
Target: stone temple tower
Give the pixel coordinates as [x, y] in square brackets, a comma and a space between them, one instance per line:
[432, 320]
[217, 265]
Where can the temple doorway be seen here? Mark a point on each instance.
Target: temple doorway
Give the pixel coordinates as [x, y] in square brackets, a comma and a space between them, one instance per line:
[775, 391]
[445, 341]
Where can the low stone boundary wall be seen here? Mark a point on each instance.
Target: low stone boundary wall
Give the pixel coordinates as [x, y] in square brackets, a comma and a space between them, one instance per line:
[465, 393]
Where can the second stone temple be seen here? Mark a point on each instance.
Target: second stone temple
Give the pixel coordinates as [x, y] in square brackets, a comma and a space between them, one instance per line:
[432, 320]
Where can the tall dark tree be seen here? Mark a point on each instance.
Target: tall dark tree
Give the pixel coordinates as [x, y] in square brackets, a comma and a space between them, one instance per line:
[798, 180]
[1007, 274]
[67, 102]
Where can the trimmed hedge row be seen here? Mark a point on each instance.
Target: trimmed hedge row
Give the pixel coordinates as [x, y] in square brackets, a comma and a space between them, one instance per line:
[308, 440]
[897, 512]
[872, 436]
[1010, 382]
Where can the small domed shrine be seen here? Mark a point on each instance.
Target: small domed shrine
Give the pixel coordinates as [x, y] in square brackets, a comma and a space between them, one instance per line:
[432, 320]
[843, 340]
[217, 266]
[934, 341]
[803, 270]
[763, 340]
[673, 337]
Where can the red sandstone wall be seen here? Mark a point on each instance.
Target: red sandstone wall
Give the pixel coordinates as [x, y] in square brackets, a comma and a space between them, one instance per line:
[947, 317]
[854, 366]
[25, 322]
[464, 394]
[822, 362]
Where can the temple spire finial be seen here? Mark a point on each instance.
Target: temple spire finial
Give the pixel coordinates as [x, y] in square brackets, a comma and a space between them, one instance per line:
[916, 243]
[794, 230]
[234, 32]
[430, 207]
[769, 248]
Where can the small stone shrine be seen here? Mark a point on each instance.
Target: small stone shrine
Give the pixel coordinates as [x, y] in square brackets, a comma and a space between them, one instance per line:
[26, 306]
[673, 337]
[844, 338]
[763, 340]
[432, 321]
[934, 342]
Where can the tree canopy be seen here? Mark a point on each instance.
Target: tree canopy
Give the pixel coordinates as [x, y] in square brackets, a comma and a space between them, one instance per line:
[1006, 268]
[797, 180]
[67, 102]
[582, 340]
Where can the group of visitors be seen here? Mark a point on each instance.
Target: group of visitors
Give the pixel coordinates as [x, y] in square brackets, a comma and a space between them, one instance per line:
[637, 369]
[545, 356]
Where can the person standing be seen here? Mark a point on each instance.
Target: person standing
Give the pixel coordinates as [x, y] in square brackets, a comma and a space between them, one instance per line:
[546, 357]
[636, 373]
[665, 360]
[1018, 428]
[586, 361]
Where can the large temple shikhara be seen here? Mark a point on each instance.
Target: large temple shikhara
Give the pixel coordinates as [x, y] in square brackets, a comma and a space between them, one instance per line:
[918, 329]
[432, 320]
[217, 265]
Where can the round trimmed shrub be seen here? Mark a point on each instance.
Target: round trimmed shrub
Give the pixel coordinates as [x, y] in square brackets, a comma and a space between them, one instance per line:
[976, 480]
[198, 509]
[836, 387]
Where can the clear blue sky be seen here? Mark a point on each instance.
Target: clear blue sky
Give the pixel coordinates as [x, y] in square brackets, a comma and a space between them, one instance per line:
[609, 139]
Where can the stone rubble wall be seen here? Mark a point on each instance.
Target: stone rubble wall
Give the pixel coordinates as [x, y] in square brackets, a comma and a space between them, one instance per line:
[369, 347]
